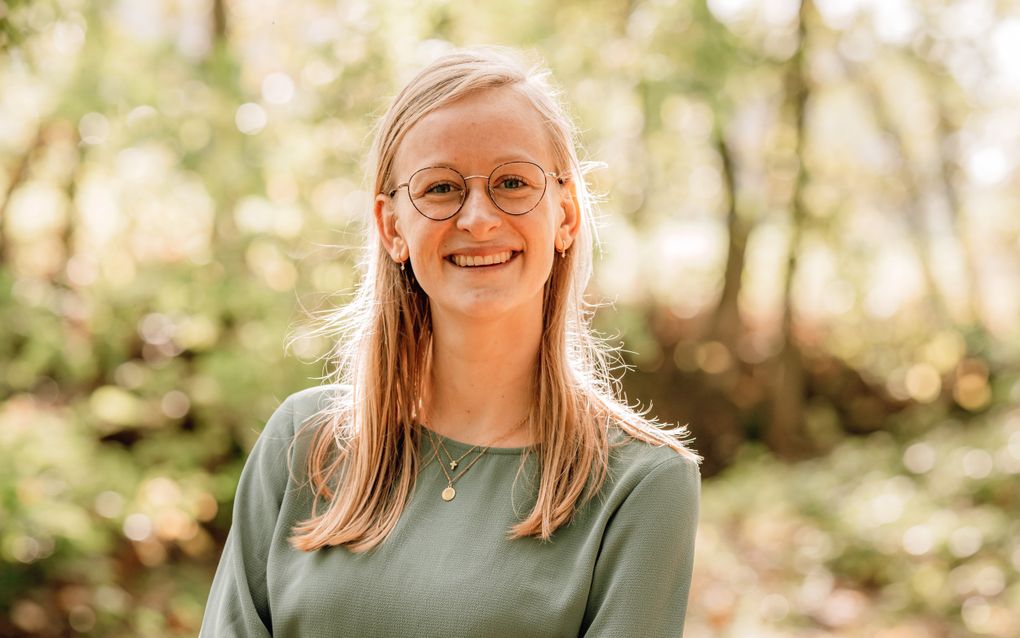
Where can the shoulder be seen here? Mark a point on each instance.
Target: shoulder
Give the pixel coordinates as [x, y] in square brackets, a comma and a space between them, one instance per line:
[296, 410]
[635, 462]
[310, 401]
[287, 437]
[647, 485]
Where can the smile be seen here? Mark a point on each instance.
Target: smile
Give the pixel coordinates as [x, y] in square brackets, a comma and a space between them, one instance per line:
[468, 261]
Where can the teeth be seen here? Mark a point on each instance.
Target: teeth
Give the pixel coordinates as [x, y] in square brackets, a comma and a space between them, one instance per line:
[466, 261]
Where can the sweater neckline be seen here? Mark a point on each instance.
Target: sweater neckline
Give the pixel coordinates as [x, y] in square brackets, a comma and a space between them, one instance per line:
[454, 444]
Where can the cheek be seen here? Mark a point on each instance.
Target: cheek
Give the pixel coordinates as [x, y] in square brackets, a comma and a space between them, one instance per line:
[423, 259]
[419, 237]
[423, 245]
[545, 229]
[545, 263]
[542, 246]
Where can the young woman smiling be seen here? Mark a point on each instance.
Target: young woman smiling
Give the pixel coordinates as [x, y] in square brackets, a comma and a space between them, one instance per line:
[471, 470]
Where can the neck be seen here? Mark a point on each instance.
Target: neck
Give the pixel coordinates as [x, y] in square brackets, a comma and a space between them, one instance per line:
[482, 377]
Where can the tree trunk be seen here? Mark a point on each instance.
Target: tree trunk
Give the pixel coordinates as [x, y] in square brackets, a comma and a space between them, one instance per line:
[786, 432]
[18, 176]
[219, 25]
[726, 325]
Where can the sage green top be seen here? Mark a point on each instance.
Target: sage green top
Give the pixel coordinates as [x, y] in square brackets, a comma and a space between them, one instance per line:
[621, 567]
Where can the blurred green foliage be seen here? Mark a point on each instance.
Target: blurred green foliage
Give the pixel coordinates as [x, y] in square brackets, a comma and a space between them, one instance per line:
[887, 535]
[809, 216]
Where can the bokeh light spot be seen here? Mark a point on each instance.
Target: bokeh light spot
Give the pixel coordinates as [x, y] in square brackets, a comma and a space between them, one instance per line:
[250, 118]
[137, 527]
[919, 458]
[977, 464]
[175, 404]
[277, 88]
[94, 128]
[923, 382]
[965, 541]
[109, 504]
[81, 618]
[918, 540]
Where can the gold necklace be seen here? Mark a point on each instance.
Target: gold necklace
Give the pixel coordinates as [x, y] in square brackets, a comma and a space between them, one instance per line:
[449, 493]
[455, 462]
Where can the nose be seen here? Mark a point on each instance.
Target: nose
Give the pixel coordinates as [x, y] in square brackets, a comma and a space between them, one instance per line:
[479, 214]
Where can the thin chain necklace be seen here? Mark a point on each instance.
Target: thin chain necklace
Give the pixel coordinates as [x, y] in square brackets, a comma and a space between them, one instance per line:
[449, 493]
[455, 462]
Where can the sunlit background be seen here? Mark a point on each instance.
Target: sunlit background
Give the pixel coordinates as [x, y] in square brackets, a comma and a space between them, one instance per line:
[810, 253]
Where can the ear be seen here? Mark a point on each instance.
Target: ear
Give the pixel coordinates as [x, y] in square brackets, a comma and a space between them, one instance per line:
[570, 224]
[389, 232]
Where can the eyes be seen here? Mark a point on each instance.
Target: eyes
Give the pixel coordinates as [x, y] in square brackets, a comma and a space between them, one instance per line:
[503, 182]
[438, 192]
[440, 188]
[512, 182]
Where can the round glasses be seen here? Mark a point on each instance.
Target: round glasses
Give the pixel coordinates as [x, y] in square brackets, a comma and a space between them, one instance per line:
[438, 192]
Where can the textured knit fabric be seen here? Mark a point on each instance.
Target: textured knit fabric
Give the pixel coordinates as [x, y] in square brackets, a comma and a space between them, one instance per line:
[622, 567]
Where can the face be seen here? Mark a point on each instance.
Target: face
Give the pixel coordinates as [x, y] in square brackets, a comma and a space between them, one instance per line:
[473, 135]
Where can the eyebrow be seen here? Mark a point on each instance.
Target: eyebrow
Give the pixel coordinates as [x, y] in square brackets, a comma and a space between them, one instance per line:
[502, 159]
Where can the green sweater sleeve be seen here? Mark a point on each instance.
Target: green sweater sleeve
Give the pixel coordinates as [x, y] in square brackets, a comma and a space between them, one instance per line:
[643, 573]
[239, 601]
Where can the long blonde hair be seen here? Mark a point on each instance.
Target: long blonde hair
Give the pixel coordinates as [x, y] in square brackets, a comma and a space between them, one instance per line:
[364, 456]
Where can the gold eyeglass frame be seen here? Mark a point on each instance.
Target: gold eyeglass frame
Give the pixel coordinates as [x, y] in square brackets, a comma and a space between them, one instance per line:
[488, 188]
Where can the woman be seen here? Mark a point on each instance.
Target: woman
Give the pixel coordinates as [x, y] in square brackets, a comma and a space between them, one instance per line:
[472, 471]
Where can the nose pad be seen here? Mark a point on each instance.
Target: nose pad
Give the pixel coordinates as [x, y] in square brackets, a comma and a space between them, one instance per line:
[478, 210]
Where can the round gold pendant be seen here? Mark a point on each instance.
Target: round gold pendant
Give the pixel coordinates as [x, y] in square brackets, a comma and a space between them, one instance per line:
[449, 493]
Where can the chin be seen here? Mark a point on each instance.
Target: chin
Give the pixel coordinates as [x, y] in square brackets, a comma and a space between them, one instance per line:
[490, 305]
[480, 308]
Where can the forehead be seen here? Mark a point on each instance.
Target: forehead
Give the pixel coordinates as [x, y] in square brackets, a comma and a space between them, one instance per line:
[476, 132]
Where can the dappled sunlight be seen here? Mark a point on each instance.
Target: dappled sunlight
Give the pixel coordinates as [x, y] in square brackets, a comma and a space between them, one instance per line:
[810, 254]
[855, 548]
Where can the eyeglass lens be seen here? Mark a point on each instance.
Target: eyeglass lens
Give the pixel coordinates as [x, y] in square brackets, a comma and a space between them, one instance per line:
[515, 188]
